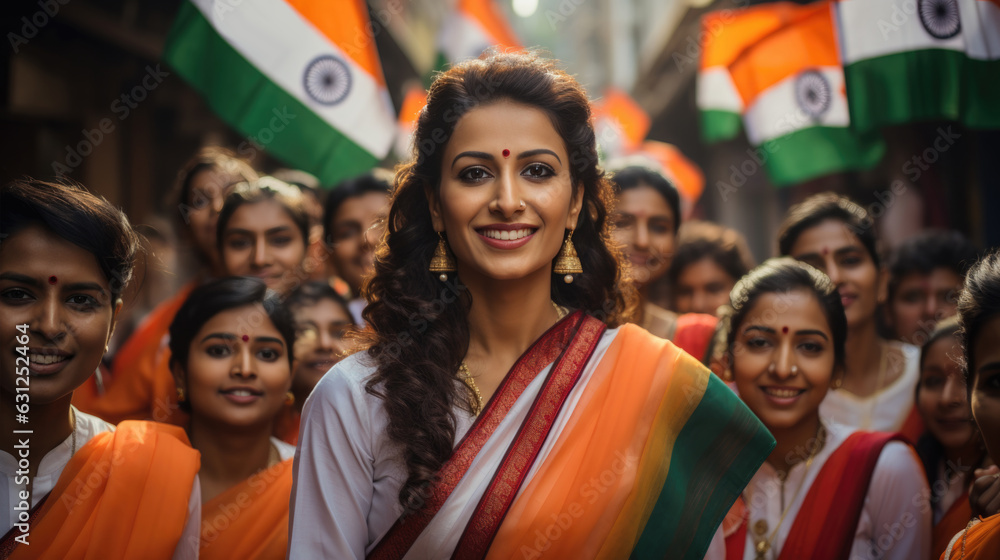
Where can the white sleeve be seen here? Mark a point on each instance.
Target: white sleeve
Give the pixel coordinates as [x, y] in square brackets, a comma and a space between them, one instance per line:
[333, 477]
[898, 507]
[190, 542]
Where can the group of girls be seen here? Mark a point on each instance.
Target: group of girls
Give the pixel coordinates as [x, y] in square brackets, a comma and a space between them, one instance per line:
[503, 406]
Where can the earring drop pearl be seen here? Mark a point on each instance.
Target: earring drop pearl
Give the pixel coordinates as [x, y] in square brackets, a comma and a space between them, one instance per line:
[443, 277]
[568, 279]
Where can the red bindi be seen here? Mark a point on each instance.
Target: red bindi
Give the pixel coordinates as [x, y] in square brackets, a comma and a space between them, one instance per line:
[53, 279]
[825, 250]
[245, 338]
[506, 153]
[784, 330]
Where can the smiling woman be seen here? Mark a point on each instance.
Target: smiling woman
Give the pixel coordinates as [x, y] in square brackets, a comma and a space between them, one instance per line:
[496, 342]
[65, 260]
[264, 232]
[875, 389]
[231, 356]
[841, 490]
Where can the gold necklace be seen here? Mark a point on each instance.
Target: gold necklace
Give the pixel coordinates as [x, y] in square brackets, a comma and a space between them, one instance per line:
[763, 545]
[477, 404]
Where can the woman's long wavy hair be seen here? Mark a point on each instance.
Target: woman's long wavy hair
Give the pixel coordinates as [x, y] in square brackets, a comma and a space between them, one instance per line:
[419, 331]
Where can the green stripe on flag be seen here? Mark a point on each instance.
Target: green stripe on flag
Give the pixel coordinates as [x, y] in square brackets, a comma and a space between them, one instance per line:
[717, 125]
[257, 107]
[905, 87]
[716, 454]
[981, 108]
[820, 150]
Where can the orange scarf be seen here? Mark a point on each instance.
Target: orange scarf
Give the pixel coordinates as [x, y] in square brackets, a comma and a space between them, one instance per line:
[123, 495]
[249, 520]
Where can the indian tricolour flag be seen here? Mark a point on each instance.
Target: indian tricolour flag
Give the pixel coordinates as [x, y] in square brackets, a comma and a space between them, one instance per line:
[792, 84]
[903, 60]
[981, 88]
[724, 36]
[300, 78]
[471, 28]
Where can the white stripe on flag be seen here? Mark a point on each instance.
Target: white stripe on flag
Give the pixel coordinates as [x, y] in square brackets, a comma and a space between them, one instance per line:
[462, 38]
[776, 111]
[281, 43]
[716, 90]
[870, 28]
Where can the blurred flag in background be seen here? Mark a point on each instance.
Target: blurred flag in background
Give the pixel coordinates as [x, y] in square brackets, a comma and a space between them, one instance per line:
[301, 78]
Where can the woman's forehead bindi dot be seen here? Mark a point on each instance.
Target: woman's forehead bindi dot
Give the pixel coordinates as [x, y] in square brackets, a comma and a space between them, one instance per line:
[784, 330]
[505, 152]
[246, 338]
[53, 279]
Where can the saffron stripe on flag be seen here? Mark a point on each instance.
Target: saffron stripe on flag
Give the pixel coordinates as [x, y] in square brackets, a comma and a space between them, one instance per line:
[243, 96]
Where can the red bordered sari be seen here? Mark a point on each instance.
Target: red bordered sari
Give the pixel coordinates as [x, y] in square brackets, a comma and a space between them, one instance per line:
[637, 451]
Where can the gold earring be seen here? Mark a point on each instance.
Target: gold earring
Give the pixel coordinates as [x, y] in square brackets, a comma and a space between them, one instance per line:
[289, 399]
[442, 261]
[180, 394]
[567, 261]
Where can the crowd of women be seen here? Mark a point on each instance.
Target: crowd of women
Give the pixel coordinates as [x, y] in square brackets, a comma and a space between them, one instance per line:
[471, 358]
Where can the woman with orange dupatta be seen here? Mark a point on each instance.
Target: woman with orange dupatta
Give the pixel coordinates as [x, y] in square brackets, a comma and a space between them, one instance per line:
[231, 355]
[140, 386]
[503, 408]
[951, 448]
[979, 316]
[76, 486]
[826, 492]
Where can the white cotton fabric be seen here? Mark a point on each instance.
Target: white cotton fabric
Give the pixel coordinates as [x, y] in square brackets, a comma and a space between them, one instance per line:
[884, 411]
[348, 474]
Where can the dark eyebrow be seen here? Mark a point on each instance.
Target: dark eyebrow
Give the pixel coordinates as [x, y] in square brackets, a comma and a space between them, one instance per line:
[477, 155]
[277, 341]
[813, 331]
[540, 151]
[83, 286]
[988, 367]
[768, 330]
[840, 251]
[35, 283]
[15, 277]
[230, 337]
[278, 229]
[223, 336]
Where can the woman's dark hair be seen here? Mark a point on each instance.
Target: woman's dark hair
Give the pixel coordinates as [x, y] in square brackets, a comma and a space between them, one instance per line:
[704, 240]
[780, 276]
[419, 326]
[210, 299]
[828, 206]
[928, 448]
[314, 291]
[375, 181]
[634, 176]
[927, 251]
[266, 188]
[979, 302]
[86, 220]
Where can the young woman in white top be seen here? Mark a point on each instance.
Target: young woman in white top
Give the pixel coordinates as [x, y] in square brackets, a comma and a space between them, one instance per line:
[826, 491]
[74, 485]
[875, 389]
